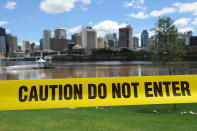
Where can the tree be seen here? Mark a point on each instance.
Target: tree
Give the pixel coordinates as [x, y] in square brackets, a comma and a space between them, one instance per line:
[167, 50]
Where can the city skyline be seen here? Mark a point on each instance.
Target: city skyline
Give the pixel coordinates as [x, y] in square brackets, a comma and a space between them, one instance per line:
[28, 19]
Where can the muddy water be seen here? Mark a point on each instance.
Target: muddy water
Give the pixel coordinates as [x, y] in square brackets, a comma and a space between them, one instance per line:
[88, 69]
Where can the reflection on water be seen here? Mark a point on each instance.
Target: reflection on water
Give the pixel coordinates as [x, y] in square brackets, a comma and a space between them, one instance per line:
[90, 69]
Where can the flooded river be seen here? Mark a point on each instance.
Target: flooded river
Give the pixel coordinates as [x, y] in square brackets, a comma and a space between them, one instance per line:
[87, 69]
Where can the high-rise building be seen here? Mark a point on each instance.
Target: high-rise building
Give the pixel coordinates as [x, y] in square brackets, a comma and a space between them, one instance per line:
[100, 43]
[2, 31]
[185, 37]
[126, 37]
[13, 44]
[41, 44]
[2, 41]
[76, 38]
[60, 33]
[89, 38]
[33, 46]
[193, 41]
[150, 42]
[144, 38]
[57, 44]
[112, 40]
[2, 45]
[46, 39]
[136, 41]
[26, 46]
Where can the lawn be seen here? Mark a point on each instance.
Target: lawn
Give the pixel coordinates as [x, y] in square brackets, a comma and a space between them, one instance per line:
[122, 118]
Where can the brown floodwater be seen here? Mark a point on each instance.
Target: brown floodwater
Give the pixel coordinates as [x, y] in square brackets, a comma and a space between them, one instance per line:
[88, 69]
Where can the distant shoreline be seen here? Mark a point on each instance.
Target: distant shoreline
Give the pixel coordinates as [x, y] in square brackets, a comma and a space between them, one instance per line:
[114, 58]
[104, 58]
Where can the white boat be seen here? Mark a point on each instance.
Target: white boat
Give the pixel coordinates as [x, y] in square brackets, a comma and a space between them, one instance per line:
[42, 63]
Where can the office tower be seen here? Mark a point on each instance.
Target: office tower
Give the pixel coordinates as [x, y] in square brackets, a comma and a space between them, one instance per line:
[126, 37]
[136, 41]
[89, 38]
[46, 40]
[2, 45]
[112, 40]
[144, 38]
[60, 33]
[13, 44]
[57, 44]
[193, 41]
[100, 43]
[2, 41]
[193, 44]
[150, 42]
[2, 31]
[33, 46]
[26, 46]
[41, 44]
[76, 38]
[185, 37]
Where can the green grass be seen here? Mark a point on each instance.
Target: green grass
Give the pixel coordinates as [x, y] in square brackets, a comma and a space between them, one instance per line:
[123, 118]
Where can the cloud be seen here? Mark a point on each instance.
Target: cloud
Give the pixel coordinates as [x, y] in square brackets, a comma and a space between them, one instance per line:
[186, 7]
[99, 1]
[156, 13]
[90, 23]
[84, 9]
[186, 29]
[36, 43]
[87, 2]
[108, 26]
[139, 15]
[60, 6]
[75, 29]
[151, 33]
[8, 31]
[194, 22]
[135, 4]
[2, 23]
[182, 22]
[10, 5]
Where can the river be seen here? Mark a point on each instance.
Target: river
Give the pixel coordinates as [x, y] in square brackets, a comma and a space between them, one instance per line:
[88, 69]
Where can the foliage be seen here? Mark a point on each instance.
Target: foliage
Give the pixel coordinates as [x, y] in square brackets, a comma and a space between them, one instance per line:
[168, 50]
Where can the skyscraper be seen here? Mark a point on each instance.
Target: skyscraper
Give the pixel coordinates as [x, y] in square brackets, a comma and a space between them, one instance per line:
[76, 38]
[126, 37]
[26, 46]
[2, 41]
[89, 38]
[46, 39]
[33, 46]
[2, 45]
[185, 37]
[136, 41]
[2, 31]
[13, 44]
[60, 33]
[41, 44]
[112, 40]
[144, 38]
[100, 43]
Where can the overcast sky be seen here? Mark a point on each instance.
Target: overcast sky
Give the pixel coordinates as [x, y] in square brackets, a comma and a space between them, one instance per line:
[28, 18]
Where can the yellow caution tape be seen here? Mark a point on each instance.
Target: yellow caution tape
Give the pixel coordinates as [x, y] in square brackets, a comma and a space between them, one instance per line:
[86, 92]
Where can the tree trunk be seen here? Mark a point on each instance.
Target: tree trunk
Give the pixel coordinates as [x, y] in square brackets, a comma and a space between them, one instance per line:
[174, 106]
[171, 73]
